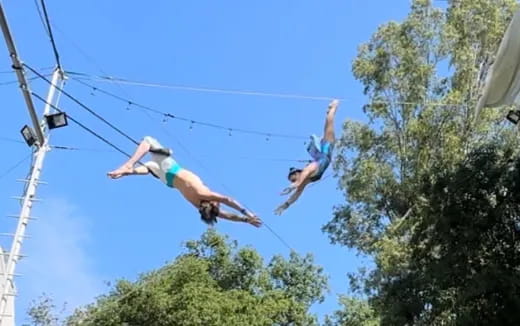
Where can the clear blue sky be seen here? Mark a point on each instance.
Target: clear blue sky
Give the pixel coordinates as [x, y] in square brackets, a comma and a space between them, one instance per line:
[92, 229]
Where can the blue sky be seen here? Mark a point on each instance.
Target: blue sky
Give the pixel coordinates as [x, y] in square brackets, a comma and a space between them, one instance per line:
[92, 229]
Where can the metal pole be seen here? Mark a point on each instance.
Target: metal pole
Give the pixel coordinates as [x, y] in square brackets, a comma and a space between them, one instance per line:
[42, 147]
[8, 316]
[8, 279]
[20, 74]
[28, 200]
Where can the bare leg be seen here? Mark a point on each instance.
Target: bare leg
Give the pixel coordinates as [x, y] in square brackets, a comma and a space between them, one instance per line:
[329, 121]
[128, 166]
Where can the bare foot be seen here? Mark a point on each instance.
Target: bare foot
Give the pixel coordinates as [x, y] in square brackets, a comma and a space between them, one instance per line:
[122, 171]
[333, 105]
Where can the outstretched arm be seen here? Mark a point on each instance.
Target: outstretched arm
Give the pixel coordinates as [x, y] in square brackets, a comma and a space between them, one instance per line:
[228, 201]
[291, 199]
[255, 221]
[299, 186]
[288, 190]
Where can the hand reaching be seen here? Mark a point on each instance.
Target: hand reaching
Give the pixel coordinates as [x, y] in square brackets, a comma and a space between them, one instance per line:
[254, 221]
[281, 209]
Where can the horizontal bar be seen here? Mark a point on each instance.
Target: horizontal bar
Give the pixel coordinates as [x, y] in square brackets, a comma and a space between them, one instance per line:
[18, 216]
[15, 274]
[12, 235]
[27, 180]
[22, 198]
[19, 256]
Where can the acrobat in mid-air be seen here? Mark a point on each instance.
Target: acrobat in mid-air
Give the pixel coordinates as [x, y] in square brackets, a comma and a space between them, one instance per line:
[165, 168]
[320, 150]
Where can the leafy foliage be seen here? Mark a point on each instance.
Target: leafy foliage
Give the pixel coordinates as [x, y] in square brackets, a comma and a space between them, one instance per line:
[42, 312]
[353, 312]
[422, 78]
[464, 266]
[421, 111]
[214, 283]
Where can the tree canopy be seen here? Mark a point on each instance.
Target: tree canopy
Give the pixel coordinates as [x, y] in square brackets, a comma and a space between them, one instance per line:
[423, 177]
[214, 282]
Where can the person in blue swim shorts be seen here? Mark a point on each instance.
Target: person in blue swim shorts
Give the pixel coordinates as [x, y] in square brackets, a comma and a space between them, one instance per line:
[162, 166]
[320, 150]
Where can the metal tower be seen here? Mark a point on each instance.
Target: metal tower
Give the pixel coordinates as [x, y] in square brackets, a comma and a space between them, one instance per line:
[41, 147]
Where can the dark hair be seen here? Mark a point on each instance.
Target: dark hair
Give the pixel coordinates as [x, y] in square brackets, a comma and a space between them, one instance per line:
[208, 212]
[293, 171]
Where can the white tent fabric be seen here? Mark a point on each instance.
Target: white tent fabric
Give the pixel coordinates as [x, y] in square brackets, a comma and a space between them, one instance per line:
[502, 85]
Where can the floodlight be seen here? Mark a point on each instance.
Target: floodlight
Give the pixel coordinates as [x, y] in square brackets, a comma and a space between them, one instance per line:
[28, 135]
[56, 120]
[513, 116]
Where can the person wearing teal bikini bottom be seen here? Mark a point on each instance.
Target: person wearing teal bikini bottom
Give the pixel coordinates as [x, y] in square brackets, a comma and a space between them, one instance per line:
[320, 150]
[164, 167]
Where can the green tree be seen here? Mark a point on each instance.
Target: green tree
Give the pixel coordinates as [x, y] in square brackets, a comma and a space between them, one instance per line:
[213, 283]
[422, 78]
[42, 312]
[421, 112]
[464, 267]
[353, 312]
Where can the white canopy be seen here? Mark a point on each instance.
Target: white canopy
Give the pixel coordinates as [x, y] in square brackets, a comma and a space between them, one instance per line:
[502, 86]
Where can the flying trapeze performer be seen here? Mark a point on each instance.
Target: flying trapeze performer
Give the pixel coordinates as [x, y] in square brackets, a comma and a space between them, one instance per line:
[320, 150]
[165, 168]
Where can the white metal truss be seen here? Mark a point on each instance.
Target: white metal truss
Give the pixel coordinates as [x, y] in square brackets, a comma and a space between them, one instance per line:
[8, 261]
